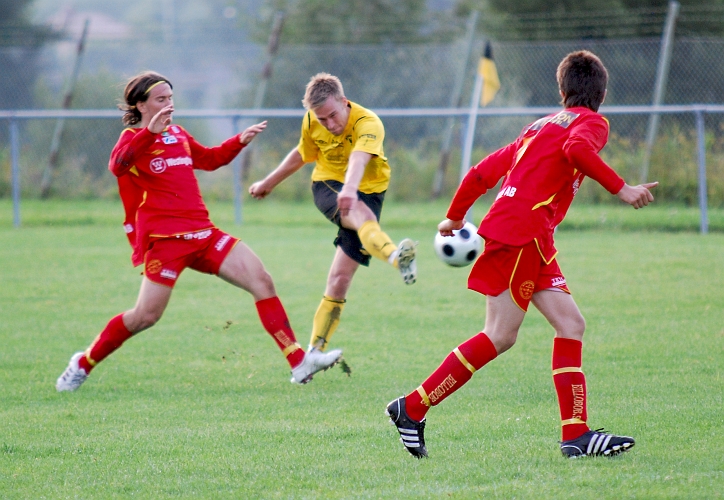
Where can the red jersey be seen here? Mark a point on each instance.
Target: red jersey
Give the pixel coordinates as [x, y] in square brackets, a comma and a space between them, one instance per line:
[543, 170]
[157, 184]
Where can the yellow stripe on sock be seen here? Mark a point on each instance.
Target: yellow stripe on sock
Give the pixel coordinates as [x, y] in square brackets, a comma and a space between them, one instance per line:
[464, 361]
[570, 369]
[423, 395]
[290, 349]
[90, 360]
[572, 421]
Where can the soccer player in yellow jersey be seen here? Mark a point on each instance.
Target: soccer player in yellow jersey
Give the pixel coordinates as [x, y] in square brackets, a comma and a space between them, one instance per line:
[349, 182]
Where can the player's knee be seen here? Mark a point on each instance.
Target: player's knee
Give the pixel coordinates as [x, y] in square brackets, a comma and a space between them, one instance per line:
[338, 284]
[140, 320]
[573, 328]
[263, 284]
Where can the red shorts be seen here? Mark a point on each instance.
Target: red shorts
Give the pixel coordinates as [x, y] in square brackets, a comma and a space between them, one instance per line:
[203, 251]
[520, 269]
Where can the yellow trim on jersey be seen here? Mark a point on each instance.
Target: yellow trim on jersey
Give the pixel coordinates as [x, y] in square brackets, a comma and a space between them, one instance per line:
[569, 369]
[464, 361]
[543, 203]
[364, 132]
[572, 421]
[423, 395]
[133, 170]
[290, 349]
[540, 252]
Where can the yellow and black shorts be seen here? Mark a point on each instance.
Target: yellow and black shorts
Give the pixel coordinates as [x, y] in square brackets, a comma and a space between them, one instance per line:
[325, 198]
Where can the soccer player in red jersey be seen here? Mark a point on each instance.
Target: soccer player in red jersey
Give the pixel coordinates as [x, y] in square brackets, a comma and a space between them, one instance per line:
[169, 229]
[541, 171]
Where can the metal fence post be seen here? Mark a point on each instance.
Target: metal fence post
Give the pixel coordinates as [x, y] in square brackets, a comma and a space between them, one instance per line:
[701, 150]
[237, 176]
[15, 169]
[662, 74]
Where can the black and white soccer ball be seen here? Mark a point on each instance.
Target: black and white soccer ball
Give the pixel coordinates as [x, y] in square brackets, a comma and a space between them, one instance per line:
[462, 248]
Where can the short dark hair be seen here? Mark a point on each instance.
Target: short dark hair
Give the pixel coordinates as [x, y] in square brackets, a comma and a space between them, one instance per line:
[321, 87]
[582, 78]
[137, 91]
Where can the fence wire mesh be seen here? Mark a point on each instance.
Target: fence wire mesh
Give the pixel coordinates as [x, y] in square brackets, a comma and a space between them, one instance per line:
[219, 76]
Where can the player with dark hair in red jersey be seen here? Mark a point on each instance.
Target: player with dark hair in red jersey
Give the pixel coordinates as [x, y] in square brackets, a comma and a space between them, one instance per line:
[541, 171]
[169, 229]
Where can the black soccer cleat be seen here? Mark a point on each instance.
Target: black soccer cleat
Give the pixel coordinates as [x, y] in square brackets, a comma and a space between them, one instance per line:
[412, 434]
[595, 444]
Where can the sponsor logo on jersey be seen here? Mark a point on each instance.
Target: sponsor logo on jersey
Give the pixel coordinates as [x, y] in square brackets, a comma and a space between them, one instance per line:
[158, 165]
[222, 242]
[170, 140]
[508, 191]
[559, 281]
[169, 274]
[201, 235]
[564, 118]
[128, 228]
[576, 186]
[183, 160]
[175, 129]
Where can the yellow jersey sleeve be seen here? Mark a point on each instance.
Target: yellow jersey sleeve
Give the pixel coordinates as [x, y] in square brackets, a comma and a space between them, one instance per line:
[368, 136]
[306, 147]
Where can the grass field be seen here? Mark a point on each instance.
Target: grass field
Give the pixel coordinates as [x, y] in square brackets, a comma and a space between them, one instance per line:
[201, 405]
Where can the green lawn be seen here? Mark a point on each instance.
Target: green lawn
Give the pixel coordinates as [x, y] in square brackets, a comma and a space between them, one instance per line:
[198, 407]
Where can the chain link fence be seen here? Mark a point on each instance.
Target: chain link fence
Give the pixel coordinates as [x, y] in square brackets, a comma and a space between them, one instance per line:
[219, 76]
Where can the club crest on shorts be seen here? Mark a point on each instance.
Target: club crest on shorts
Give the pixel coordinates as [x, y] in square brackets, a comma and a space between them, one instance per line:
[526, 289]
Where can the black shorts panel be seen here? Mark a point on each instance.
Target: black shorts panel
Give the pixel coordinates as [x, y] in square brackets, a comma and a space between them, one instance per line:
[325, 198]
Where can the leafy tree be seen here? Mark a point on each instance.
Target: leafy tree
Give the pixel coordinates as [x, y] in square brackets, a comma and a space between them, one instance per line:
[347, 21]
[569, 19]
[19, 44]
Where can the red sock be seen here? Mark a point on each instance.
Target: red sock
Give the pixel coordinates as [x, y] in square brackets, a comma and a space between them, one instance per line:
[457, 368]
[570, 386]
[275, 321]
[111, 338]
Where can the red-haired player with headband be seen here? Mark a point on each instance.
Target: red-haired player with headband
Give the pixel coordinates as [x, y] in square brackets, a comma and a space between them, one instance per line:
[169, 229]
[541, 171]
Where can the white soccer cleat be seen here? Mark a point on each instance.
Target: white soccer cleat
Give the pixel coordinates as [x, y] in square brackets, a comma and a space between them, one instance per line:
[73, 376]
[406, 260]
[314, 361]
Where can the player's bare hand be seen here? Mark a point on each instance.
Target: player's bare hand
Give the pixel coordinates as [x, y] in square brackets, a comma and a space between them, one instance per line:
[248, 135]
[259, 190]
[637, 196]
[447, 226]
[161, 120]
[346, 200]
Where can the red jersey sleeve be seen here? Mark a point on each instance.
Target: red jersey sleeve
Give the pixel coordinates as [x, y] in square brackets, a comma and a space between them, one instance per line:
[582, 147]
[130, 146]
[483, 176]
[212, 158]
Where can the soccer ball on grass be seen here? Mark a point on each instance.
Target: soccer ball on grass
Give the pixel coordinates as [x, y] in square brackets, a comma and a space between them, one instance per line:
[462, 248]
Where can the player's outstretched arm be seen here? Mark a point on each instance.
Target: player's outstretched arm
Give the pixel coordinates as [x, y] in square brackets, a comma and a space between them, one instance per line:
[287, 167]
[637, 196]
[447, 226]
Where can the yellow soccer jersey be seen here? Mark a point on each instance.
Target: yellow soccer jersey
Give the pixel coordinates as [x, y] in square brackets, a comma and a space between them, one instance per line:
[364, 132]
